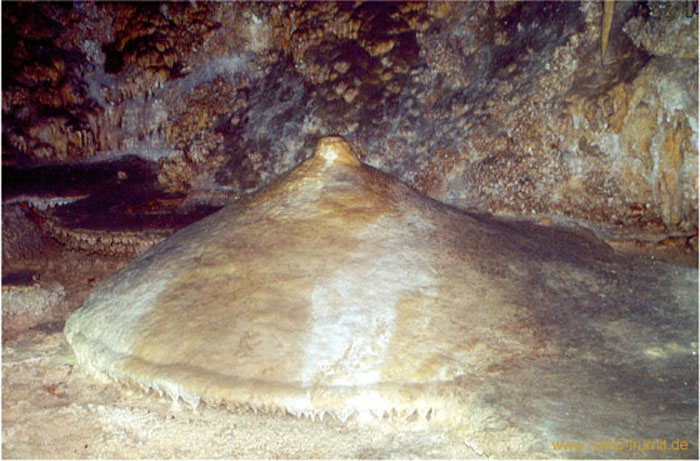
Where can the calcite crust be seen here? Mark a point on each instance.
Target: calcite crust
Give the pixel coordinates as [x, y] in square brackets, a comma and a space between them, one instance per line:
[340, 291]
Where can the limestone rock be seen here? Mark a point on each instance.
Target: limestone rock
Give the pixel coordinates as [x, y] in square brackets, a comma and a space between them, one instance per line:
[21, 238]
[340, 291]
[28, 304]
[504, 107]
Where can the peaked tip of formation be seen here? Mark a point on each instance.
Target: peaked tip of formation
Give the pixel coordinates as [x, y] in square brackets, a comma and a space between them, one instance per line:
[335, 150]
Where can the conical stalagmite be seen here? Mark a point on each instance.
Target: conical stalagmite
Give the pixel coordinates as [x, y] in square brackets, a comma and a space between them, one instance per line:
[341, 291]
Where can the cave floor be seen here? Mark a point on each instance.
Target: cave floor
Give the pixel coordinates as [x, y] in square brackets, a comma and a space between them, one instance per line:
[51, 409]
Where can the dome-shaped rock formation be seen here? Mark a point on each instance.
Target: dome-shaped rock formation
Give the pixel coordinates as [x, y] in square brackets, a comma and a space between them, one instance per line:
[341, 291]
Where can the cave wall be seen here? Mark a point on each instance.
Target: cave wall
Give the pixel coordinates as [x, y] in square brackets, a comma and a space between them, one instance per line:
[506, 107]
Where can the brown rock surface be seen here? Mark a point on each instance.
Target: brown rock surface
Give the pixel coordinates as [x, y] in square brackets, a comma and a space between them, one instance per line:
[21, 238]
[502, 107]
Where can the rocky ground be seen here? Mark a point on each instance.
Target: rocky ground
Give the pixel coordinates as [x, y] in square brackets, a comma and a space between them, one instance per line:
[51, 410]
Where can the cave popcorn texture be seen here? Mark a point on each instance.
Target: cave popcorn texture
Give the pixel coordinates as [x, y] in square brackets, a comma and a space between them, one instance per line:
[340, 291]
